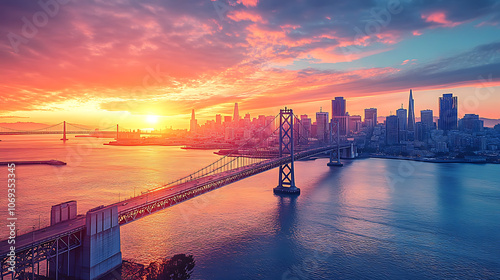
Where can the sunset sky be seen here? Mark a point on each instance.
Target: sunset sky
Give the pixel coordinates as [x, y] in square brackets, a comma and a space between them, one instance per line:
[144, 63]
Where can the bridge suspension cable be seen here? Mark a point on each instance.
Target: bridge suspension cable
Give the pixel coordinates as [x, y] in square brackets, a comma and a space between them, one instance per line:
[230, 161]
[32, 130]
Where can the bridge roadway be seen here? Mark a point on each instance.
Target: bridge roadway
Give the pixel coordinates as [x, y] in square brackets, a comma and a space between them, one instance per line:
[148, 203]
[84, 132]
[43, 132]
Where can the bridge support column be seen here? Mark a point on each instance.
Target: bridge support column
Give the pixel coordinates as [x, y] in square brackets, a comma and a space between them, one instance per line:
[286, 183]
[101, 252]
[64, 132]
[335, 153]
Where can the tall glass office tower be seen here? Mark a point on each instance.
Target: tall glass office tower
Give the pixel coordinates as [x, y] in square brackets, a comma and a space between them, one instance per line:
[448, 112]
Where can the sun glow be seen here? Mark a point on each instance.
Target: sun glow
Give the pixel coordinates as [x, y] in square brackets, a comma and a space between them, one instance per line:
[152, 119]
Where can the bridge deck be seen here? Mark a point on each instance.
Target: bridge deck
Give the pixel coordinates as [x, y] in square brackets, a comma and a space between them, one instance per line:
[25, 241]
[48, 233]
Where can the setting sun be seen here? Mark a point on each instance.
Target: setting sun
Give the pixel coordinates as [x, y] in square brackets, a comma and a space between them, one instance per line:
[152, 119]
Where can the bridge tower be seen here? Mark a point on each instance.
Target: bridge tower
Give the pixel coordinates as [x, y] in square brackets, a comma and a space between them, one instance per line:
[286, 183]
[335, 140]
[64, 132]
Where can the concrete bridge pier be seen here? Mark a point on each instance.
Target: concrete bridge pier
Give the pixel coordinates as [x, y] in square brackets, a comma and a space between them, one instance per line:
[100, 250]
[351, 152]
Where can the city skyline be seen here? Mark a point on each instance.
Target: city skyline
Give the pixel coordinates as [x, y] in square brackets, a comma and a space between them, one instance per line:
[340, 113]
[306, 55]
[250, 139]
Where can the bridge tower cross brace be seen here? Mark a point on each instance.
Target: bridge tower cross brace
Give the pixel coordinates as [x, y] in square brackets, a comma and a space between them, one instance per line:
[286, 184]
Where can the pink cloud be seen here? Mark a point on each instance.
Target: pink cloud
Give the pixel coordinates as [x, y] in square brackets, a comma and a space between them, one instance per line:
[417, 33]
[439, 18]
[405, 61]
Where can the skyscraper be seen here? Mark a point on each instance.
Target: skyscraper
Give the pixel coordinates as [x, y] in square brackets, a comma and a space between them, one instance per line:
[338, 106]
[305, 127]
[402, 118]
[371, 117]
[471, 123]
[354, 123]
[193, 124]
[427, 118]
[236, 114]
[448, 112]
[391, 130]
[402, 122]
[426, 124]
[218, 120]
[411, 114]
[322, 128]
[339, 114]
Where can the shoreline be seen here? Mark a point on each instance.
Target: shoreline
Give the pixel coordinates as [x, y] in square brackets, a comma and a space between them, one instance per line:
[29, 162]
[431, 160]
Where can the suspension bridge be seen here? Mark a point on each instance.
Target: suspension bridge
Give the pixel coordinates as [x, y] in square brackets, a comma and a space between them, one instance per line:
[88, 246]
[65, 128]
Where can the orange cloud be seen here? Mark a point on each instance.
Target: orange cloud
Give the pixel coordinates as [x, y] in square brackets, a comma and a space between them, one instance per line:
[389, 38]
[248, 3]
[245, 15]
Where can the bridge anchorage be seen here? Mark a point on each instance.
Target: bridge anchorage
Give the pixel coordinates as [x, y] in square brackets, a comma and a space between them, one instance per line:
[335, 141]
[286, 184]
